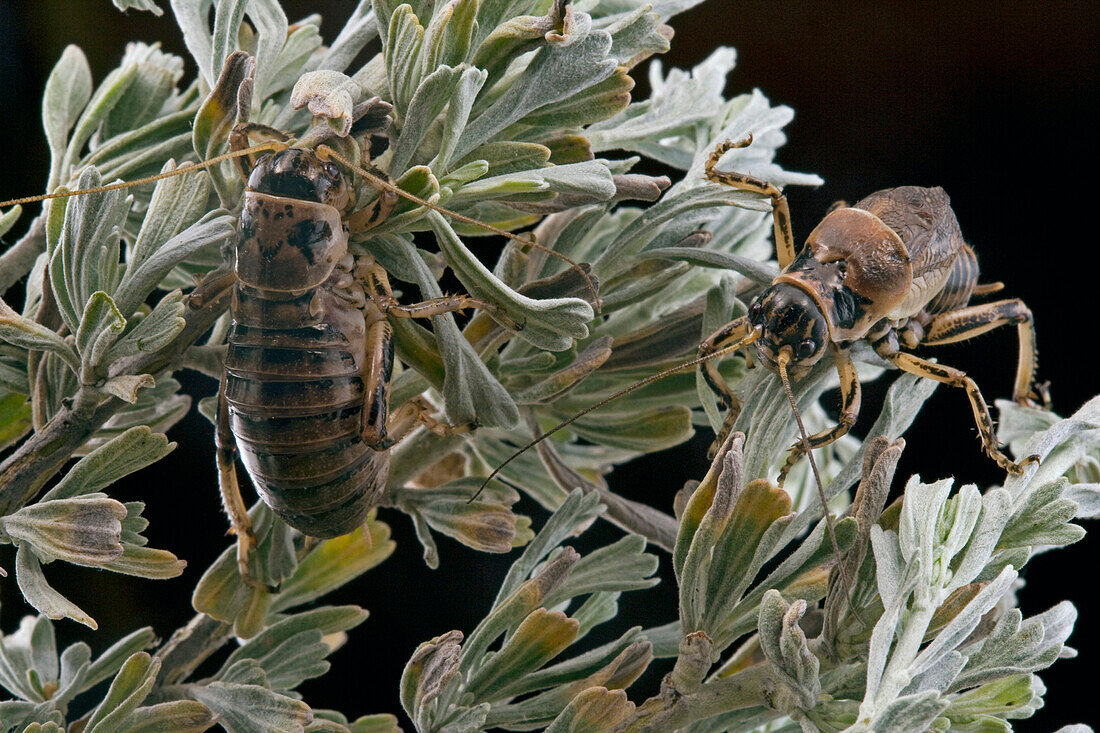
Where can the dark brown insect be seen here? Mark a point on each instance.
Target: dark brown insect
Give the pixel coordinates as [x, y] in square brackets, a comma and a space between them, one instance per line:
[304, 396]
[892, 270]
[304, 393]
[311, 352]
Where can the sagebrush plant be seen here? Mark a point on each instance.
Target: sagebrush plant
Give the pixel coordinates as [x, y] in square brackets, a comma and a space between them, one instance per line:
[517, 113]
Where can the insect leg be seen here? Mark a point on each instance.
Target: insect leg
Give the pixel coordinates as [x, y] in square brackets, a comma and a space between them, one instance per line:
[240, 138]
[381, 430]
[958, 378]
[377, 282]
[966, 323]
[371, 216]
[730, 333]
[232, 501]
[781, 213]
[376, 381]
[849, 411]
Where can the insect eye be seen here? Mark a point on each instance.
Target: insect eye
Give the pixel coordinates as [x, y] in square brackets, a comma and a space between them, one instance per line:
[806, 349]
[754, 311]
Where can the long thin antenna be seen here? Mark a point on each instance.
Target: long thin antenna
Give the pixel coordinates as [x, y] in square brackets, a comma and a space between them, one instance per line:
[782, 359]
[183, 168]
[383, 184]
[752, 336]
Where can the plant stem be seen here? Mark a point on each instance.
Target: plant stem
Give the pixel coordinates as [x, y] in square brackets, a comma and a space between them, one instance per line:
[42, 455]
[190, 646]
[671, 711]
[18, 260]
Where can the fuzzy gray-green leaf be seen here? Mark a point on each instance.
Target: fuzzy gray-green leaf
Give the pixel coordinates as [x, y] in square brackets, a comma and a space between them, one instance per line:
[557, 72]
[83, 530]
[153, 332]
[360, 29]
[291, 650]
[470, 391]
[178, 716]
[8, 219]
[146, 5]
[20, 331]
[403, 43]
[249, 708]
[68, 90]
[213, 228]
[909, 713]
[100, 327]
[155, 76]
[130, 687]
[86, 258]
[463, 94]
[131, 451]
[177, 202]
[39, 594]
[431, 96]
[328, 94]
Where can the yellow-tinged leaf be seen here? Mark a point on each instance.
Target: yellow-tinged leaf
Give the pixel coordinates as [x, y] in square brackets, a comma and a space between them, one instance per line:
[431, 667]
[334, 562]
[810, 585]
[380, 723]
[15, 417]
[699, 503]
[250, 621]
[540, 637]
[951, 607]
[595, 710]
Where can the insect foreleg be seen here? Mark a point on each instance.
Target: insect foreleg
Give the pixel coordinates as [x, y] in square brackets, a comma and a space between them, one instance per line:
[849, 411]
[781, 213]
[957, 378]
[728, 334]
[371, 216]
[232, 501]
[966, 323]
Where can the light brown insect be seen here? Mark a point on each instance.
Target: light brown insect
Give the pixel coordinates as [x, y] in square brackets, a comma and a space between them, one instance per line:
[892, 270]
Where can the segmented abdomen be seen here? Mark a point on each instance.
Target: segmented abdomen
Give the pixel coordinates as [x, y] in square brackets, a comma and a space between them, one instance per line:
[295, 398]
[959, 285]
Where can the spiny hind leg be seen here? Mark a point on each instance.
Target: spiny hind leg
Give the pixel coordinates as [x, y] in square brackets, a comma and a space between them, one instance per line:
[957, 378]
[966, 323]
[729, 334]
[849, 411]
[232, 501]
[781, 213]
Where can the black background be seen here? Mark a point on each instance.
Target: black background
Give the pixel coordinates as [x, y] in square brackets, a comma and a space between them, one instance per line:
[994, 102]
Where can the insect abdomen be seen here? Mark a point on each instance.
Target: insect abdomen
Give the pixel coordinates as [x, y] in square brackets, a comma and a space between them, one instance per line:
[293, 378]
[959, 285]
